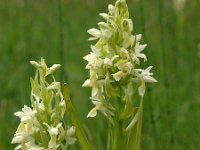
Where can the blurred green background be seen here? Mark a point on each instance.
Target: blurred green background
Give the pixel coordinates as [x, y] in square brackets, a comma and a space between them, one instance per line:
[30, 29]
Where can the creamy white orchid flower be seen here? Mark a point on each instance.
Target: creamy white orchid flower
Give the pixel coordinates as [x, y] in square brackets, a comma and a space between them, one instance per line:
[146, 74]
[35, 64]
[26, 115]
[137, 53]
[98, 106]
[125, 69]
[54, 86]
[118, 75]
[107, 62]
[70, 132]
[95, 33]
[22, 135]
[52, 69]
[127, 25]
[124, 54]
[31, 133]
[142, 77]
[53, 132]
[111, 9]
[32, 146]
[115, 57]
[87, 83]
[93, 61]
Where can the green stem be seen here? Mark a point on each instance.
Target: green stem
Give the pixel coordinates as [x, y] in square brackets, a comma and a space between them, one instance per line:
[134, 129]
[119, 136]
[119, 131]
[79, 131]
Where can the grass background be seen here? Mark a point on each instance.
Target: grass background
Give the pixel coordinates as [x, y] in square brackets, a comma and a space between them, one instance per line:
[30, 29]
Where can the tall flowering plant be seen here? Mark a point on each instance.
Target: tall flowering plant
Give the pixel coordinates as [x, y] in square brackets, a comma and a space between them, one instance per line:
[42, 126]
[115, 75]
[117, 82]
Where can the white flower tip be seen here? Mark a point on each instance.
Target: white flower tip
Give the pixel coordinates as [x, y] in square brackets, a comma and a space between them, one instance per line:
[94, 32]
[117, 76]
[53, 68]
[104, 15]
[71, 140]
[35, 64]
[138, 37]
[92, 113]
[107, 62]
[54, 86]
[71, 131]
[154, 80]
[111, 8]
[149, 79]
[53, 131]
[86, 83]
[17, 139]
[26, 119]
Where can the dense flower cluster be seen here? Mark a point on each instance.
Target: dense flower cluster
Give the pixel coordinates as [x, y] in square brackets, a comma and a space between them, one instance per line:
[114, 62]
[42, 126]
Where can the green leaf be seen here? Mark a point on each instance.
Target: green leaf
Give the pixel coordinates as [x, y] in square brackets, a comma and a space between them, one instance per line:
[73, 117]
[134, 129]
[135, 135]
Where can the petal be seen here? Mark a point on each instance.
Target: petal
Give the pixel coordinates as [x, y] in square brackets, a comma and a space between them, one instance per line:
[35, 64]
[95, 92]
[20, 128]
[146, 72]
[54, 86]
[59, 125]
[71, 131]
[107, 62]
[52, 69]
[86, 83]
[141, 89]
[140, 48]
[120, 64]
[140, 55]
[71, 140]
[89, 57]
[53, 131]
[92, 113]
[18, 147]
[92, 38]
[94, 32]
[97, 103]
[17, 139]
[117, 76]
[149, 79]
[111, 9]
[19, 114]
[138, 37]
[26, 109]
[124, 54]
[107, 17]
[26, 119]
